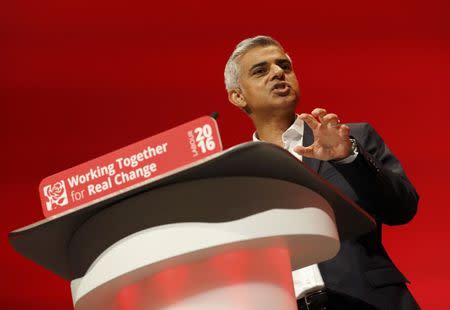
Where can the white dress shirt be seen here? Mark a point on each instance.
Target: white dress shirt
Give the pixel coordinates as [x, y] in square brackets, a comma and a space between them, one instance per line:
[307, 279]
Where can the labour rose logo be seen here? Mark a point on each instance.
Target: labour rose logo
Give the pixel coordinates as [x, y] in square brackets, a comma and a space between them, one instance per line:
[56, 195]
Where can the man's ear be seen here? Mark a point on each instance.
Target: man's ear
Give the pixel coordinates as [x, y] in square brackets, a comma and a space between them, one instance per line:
[235, 97]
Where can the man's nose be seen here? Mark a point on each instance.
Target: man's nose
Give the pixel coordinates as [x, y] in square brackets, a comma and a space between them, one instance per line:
[277, 72]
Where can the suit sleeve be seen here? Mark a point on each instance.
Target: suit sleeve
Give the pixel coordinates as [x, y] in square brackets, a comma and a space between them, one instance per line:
[378, 180]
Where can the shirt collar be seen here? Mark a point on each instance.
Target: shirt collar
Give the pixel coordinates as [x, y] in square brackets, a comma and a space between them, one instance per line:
[294, 132]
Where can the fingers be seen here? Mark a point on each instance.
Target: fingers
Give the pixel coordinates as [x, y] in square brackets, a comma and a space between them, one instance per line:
[344, 131]
[319, 113]
[310, 120]
[330, 119]
[325, 118]
[304, 151]
[320, 117]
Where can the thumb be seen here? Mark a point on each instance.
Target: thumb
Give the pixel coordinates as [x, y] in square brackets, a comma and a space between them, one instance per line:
[304, 151]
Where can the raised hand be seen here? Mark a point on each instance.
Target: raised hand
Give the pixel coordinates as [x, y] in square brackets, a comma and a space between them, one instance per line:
[331, 139]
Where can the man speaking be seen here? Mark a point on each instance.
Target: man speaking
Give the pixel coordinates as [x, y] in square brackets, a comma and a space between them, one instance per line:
[261, 81]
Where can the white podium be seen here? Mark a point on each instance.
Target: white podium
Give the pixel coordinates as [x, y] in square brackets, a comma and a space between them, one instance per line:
[224, 233]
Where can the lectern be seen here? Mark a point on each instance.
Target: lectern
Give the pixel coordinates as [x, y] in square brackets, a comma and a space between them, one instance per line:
[222, 233]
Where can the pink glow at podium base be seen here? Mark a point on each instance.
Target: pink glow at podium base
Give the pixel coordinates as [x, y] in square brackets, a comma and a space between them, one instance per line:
[247, 279]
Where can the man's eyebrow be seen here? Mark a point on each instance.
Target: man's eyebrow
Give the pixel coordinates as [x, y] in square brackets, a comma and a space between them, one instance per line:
[263, 63]
[283, 60]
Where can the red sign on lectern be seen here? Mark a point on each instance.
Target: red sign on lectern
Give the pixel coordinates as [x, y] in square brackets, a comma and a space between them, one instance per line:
[137, 164]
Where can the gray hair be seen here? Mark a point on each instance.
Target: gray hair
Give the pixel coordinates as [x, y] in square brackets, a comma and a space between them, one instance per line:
[231, 73]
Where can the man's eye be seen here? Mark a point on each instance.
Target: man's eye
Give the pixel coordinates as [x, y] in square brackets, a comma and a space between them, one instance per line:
[259, 71]
[286, 66]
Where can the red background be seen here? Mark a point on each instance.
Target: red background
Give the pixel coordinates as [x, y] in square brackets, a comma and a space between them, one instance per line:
[82, 78]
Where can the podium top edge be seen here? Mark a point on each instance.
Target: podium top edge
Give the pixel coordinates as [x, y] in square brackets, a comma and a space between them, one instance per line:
[250, 159]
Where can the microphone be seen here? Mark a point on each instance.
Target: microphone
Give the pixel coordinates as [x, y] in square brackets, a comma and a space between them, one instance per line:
[215, 115]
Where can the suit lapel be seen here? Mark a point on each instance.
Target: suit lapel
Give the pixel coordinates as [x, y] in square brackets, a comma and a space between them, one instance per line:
[308, 139]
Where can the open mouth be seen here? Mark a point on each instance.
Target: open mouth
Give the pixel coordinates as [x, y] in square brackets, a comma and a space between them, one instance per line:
[281, 88]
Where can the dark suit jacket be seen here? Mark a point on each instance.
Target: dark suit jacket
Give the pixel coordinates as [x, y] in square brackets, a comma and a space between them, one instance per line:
[375, 180]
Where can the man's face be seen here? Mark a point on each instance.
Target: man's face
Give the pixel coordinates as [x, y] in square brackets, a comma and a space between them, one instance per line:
[267, 81]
